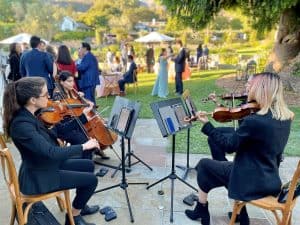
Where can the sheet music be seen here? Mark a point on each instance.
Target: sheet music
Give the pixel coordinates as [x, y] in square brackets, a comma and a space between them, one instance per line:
[180, 114]
[124, 120]
[189, 103]
[169, 119]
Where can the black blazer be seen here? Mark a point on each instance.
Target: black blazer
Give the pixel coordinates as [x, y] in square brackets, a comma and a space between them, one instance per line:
[41, 155]
[36, 63]
[180, 61]
[258, 142]
[14, 62]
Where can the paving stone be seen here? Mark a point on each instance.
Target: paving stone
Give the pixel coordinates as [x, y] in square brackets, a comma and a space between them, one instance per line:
[148, 207]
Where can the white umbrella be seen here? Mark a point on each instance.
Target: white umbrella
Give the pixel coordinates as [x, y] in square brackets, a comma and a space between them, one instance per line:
[19, 38]
[155, 37]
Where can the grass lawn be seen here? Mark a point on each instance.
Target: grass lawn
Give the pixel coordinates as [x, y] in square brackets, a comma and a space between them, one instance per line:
[200, 85]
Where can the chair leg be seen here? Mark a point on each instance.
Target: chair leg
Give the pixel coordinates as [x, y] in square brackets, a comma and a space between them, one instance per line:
[234, 214]
[69, 208]
[26, 212]
[276, 216]
[286, 218]
[13, 213]
[20, 214]
[290, 220]
[61, 203]
[236, 210]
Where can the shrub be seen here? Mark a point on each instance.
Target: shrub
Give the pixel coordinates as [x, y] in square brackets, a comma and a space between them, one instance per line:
[6, 29]
[296, 69]
[73, 35]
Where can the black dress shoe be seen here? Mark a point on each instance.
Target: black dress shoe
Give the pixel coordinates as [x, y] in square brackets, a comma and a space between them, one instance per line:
[88, 210]
[78, 220]
[200, 212]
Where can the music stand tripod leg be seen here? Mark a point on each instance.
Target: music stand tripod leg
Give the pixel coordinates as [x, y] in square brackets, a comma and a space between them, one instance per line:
[172, 176]
[128, 157]
[130, 153]
[123, 184]
[186, 169]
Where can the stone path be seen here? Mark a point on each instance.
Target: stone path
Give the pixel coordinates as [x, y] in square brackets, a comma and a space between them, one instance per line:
[149, 208]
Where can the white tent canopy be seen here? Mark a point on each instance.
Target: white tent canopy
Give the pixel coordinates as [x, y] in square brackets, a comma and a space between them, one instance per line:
[155, 37]
[19, 38]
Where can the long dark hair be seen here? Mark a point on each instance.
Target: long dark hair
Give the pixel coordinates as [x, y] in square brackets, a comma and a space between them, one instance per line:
[17, 95]
[13, 49]
[62, 76]
[64, 56]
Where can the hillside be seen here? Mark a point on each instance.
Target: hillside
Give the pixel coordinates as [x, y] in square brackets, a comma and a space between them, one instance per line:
[78, 5]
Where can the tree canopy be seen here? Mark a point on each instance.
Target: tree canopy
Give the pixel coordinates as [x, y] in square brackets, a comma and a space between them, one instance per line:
[116, 14]
[263, 14]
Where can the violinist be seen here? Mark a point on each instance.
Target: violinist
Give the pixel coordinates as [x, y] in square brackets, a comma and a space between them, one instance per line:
[217, 151]
[68, 129]
[46, 167]
[258, 143]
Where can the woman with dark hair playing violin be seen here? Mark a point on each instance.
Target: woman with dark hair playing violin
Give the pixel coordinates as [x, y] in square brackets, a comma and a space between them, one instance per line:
[258, 143]
[46, 167]
[68, 129]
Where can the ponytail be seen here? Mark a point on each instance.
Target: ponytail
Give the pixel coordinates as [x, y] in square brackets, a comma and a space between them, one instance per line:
[10, 106]
[17, 94]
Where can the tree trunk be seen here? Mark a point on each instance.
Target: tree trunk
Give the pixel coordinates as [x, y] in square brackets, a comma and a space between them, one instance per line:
[287, 42]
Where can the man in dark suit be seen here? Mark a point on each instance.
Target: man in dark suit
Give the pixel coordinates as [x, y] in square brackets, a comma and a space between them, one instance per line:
[129, 76]
[179, 67]
[89, 72]
[150, 59]
[35, 63]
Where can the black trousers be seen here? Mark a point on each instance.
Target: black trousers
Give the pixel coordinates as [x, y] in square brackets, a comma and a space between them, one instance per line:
[122, 83]
[212, 173]
[149, 67]
[217, 151]
[178, 83]
[78, 174]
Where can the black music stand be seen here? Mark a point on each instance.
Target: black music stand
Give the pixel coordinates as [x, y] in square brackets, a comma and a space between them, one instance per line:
[186, 169]
[128, 156]
[122, 120]
[191, 110]
[169, 115]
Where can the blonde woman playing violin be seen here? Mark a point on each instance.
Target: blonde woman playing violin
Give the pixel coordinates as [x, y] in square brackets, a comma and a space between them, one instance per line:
[258, 144]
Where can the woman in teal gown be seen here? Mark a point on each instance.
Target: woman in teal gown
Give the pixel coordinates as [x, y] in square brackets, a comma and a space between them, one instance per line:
[161, 84]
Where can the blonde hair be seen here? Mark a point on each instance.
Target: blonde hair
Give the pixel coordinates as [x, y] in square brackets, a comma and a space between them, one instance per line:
[267, 91]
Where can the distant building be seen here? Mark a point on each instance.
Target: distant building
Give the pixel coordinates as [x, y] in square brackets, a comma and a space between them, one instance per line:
[69, 24]
[150, 26]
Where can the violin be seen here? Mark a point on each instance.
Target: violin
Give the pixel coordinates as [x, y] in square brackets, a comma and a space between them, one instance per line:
[96, 128]
[57, 111]
[225, 114]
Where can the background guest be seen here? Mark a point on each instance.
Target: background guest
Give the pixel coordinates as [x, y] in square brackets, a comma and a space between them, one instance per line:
[14, 61]
[64, 62]
[37, 63]
[128, 77]
[89, 70]
[161, 84]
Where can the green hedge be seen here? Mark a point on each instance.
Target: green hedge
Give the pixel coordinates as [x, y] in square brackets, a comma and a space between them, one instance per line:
[73, 35]
[6, 30]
